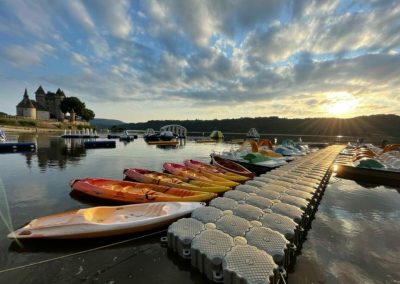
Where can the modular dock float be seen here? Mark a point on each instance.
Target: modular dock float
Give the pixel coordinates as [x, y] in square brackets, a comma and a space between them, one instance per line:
[17, 146]
[253, 233]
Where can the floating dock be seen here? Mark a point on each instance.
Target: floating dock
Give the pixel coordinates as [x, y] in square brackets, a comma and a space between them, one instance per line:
[17, 146]
[79, 136]
[99, 144]
[253, 233]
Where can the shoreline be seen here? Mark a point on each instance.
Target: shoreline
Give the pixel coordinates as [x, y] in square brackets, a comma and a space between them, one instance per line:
[23, 129]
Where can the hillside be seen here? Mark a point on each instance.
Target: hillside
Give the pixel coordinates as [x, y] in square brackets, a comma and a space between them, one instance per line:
[381, 125]
[105, 123]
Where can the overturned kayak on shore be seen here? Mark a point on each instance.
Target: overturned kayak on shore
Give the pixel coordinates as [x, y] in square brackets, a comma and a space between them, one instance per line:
[203, 167]
[231, 166]
[158, 178]
[180, 170]
[105, 221]
[134, 192]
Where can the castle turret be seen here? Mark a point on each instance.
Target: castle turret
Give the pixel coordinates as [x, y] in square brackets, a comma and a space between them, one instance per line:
[40, 96]
[57, 101]
[26, 108]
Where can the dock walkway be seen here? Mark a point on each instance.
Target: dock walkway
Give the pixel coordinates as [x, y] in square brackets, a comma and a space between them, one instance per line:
[253, 233]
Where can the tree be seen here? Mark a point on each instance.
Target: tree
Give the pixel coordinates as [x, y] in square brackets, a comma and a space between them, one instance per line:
[72, 103]
[87, 114]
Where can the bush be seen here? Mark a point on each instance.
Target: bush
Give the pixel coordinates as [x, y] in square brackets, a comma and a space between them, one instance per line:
[27, 123]
[8, 121]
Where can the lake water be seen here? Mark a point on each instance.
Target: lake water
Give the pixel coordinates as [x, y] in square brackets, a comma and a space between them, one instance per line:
[354, 237]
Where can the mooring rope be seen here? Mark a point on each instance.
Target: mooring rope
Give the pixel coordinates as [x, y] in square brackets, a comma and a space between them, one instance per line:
[78, 253]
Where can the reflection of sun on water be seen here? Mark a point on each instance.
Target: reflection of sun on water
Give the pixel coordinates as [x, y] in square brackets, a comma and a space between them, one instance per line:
[340, 104]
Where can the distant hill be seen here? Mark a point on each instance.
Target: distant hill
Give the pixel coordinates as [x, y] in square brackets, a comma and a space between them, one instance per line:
[105, 123]
[363, 126]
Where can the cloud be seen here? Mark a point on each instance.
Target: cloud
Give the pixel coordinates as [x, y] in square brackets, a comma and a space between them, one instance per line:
[21, 56]
[114, 15]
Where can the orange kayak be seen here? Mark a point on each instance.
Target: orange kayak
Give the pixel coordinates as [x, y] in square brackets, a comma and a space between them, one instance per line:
[180, 170]
[153, 177]
[134, 192]
[203, 167]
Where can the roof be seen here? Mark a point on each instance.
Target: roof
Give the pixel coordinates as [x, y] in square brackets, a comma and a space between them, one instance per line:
[40, 90]
[26, 102]
[39, 106]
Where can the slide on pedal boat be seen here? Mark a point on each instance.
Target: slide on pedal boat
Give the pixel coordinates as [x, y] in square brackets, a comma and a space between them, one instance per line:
[177, 169]
[153, 177]
[203, 167]
[134, 192]
[231, 166]
[105, 221]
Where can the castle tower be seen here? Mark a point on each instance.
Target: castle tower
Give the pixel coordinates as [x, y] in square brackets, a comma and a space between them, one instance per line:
[26, 108]
[58, 99]
[40, 96]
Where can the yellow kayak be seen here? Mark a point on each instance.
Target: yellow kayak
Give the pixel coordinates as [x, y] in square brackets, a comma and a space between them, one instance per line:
[206, 168]
[152, 177]
[180, 170]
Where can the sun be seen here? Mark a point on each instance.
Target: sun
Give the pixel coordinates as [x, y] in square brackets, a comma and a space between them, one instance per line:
[340, 104]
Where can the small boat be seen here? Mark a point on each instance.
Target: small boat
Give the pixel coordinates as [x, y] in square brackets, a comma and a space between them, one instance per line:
[230, 166]
[126, 137]
[134, 192]
[253, 134]
[217, 135]
[203, 167]
[167, 135]
[104, 221]
[2, 136]
[180, 170]
[153, 177]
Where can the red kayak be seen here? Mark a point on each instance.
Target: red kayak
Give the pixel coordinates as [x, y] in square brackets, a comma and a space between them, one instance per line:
[231, 166]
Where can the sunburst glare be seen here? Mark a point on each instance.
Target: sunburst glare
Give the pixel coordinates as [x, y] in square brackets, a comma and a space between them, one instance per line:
[340, 104]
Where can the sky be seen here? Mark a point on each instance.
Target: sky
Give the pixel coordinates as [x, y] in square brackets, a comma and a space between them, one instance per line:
[205, 59]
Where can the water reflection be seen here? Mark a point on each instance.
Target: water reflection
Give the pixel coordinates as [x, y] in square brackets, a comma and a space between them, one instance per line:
[52, 151]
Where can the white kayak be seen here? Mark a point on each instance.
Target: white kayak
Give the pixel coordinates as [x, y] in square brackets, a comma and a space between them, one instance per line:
[105, 221]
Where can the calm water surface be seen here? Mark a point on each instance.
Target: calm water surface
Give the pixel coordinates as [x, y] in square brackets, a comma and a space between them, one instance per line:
[354, 237]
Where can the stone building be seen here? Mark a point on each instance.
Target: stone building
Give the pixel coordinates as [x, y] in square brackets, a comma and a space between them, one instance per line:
[47, 105]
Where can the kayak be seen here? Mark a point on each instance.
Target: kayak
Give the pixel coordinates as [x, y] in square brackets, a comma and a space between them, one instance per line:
[153, 177]
[230, 166]
[134, 192]
[104, 221]
[203, 167]
[180, 170]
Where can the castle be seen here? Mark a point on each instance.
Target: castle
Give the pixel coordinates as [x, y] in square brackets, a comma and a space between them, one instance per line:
[46, 106]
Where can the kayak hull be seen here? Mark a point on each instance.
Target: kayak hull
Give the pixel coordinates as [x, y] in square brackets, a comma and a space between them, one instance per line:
[180, 170]
[152, 177]
[231, 166]
[133, 192]
[104, 221]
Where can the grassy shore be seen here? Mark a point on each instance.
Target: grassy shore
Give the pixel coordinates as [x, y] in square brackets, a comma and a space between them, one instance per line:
[38, 126]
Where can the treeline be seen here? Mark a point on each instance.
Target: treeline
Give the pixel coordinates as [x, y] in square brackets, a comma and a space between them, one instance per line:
[384, 125]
